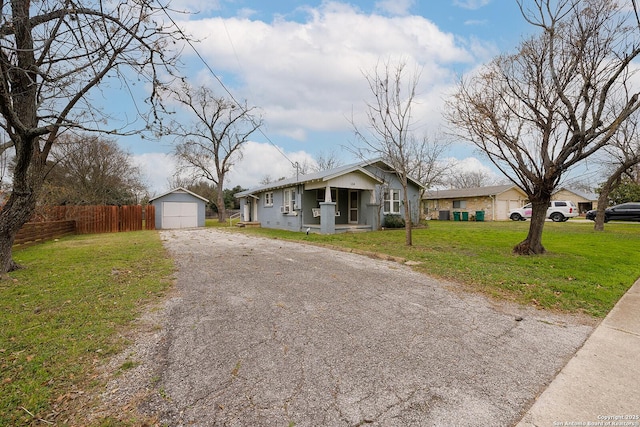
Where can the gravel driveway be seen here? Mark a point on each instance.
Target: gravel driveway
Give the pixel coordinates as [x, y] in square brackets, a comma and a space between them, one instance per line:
[264, 332]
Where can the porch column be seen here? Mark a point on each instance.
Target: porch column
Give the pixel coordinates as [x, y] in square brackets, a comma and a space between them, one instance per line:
[327, 194]
[254, 214]
[328, 217]
[245, 215]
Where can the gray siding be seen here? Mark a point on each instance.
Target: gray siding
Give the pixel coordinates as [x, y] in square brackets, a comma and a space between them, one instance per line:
[179, 197]
[272, 217]
[393, 182]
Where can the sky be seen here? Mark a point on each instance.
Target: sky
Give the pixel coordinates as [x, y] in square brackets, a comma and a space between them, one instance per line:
[302, 64]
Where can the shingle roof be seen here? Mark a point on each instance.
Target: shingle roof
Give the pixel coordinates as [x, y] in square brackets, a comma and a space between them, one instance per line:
[178, 190]
[468, 192]
[315, 176]
[583, 194]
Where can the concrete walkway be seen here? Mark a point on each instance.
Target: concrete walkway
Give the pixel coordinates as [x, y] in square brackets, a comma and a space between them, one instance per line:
[600, 386]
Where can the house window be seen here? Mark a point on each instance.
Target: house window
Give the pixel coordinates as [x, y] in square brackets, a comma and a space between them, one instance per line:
[459, 204]
[289, 202]
[268, 198]
[391, 201]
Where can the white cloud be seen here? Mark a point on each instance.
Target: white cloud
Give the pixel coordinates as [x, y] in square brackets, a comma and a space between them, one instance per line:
[471, 4]
[308, 76]
[157, 170]
[260, 160]
[471, 164]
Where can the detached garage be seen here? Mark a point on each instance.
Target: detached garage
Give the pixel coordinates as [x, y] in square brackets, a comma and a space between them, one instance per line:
[179, 208]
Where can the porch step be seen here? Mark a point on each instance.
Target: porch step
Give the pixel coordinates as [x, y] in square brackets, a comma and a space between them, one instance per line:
[248, 224]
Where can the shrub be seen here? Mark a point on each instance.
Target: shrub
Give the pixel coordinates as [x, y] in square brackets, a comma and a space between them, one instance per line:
[393, 221]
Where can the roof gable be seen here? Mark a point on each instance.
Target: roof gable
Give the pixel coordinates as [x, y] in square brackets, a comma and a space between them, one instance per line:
[179, 190]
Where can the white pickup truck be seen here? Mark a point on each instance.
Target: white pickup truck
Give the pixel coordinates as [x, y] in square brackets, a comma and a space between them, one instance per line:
[558, 211]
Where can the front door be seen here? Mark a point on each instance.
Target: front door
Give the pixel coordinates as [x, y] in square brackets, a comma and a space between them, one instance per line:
[353, 207]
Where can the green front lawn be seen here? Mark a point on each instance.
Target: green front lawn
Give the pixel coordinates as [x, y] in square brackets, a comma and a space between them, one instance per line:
[62, 314]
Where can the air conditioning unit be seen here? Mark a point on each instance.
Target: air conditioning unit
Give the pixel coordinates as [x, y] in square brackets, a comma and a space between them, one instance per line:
[284, 209]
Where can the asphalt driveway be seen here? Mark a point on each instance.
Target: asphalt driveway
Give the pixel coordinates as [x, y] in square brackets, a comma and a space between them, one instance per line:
[270, 333]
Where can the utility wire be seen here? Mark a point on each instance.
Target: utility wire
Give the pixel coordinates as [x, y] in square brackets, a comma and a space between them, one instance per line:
[206, 64]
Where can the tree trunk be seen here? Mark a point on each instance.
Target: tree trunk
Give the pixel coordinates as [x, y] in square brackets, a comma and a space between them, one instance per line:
[13, 216]
[26, 172]
[532, 245]
[407, 217]
[222, 209]
[612, 183]
[603, 200]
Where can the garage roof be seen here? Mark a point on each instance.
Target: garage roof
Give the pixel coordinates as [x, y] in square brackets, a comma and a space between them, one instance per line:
[179, 190]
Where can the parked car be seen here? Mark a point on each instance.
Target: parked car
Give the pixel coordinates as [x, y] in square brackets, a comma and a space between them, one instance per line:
[558, 211]
[623, 212]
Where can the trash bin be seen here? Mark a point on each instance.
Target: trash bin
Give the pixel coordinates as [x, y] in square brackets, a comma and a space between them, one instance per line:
[479, 215]
[456, 216]
[465, 216]
[443, 215]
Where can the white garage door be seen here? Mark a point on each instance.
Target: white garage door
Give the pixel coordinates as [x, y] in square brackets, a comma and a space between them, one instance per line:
[501, 210]
[179, 214]
[504, 206]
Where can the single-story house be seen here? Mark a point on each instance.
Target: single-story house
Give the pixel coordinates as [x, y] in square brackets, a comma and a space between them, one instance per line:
[179, 208]
[584, 201]
[494, 201]
[354, 197]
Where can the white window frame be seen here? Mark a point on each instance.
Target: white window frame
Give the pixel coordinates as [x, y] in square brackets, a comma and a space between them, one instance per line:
[461, 204]
[392, 201]
[289, 199]
[268, 198]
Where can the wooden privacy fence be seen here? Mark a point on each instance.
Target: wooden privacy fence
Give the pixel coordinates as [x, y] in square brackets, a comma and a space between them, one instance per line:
[36, 232]
[102, 219]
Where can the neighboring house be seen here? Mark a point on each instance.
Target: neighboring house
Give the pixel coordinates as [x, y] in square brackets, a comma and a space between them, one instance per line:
[495, 201]
[584, 201]
[355, 197]
[179, 208]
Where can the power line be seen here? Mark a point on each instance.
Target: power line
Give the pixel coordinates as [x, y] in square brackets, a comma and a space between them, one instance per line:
[206, 64]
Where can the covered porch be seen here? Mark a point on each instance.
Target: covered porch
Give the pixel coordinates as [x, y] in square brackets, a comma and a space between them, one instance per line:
[341, 204]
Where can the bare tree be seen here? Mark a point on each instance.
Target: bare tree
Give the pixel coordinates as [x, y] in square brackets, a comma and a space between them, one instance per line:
[212, 142]
[429, 166]
[266, 180]
[323, 161]
[91, 170]
[557, 101]
[302, 168]
[327, 160]
[53, 55]
[389, 132]
[468, 179]
[623, 155]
